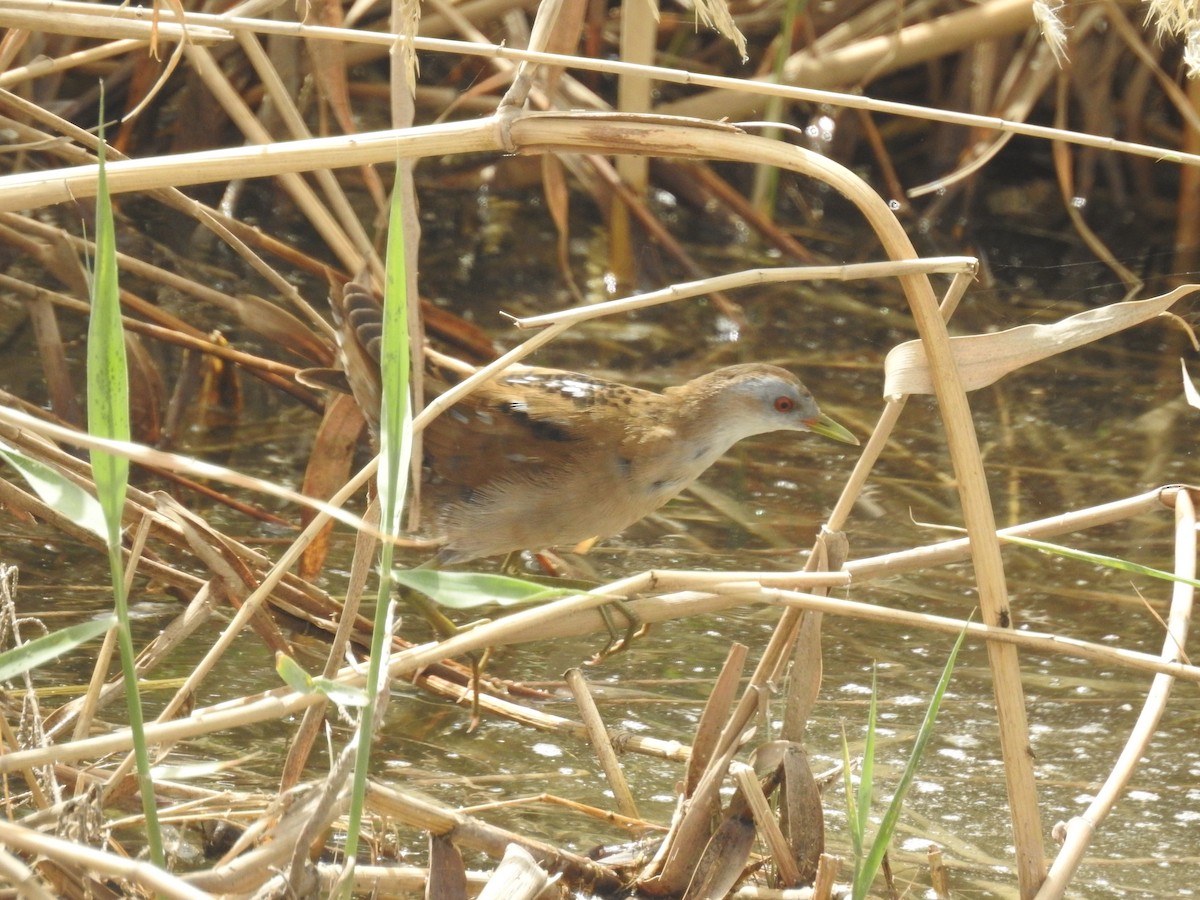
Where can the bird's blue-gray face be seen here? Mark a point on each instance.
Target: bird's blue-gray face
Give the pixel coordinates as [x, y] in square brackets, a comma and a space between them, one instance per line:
[759, 403]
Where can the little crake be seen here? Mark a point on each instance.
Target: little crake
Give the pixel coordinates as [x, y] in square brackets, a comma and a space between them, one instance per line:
[542, 457]
[536, 458]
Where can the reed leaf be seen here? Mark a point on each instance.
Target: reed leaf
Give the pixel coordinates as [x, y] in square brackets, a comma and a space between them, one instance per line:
[108, 417]
[395, 441]
[49, 647]
[468, 590]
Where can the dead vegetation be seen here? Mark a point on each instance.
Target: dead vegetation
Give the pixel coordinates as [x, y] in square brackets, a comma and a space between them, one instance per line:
[311, 121]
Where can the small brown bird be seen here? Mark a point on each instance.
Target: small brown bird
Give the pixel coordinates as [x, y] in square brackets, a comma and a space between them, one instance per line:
[537, 458]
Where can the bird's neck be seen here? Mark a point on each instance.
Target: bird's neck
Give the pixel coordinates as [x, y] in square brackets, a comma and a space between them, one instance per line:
[700, 413]
[684, 434]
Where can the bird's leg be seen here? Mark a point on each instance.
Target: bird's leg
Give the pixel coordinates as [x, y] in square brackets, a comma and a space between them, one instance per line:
[428, 610]
[634, 628]
[575, 568]
[511, 564]
[444, 627]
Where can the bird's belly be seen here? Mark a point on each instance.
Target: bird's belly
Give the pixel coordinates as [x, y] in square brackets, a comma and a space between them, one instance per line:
[530, 516]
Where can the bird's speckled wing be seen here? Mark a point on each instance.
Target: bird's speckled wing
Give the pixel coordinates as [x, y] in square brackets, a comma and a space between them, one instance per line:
[359, 320]
[526, 423]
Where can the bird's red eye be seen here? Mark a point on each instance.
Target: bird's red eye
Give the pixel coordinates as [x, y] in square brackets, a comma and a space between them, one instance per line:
[784, 404]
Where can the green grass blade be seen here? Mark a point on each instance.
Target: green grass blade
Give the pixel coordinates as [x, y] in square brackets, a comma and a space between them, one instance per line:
[301, 682]
[395, 433]
[766, 186]
[59, 492]
[395, 415]
[468, 590]
[107, 372]
[852, 820]
[1111, 562]
[866, 788]
[866, 782]
[108, 416]
[49, 647]
[887, 827]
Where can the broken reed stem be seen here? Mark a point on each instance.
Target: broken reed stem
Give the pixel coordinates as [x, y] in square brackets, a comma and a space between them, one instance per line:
[751, 278]
[1049, 644]
[71, 854]
[598, 736]
[470, 832]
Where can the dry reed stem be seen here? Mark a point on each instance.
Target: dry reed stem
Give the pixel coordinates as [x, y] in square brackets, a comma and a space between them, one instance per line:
[716, 711]
[386, 881]
[72, 854]
[174, 462]
[601, 743]
[353, 150]
[691, 830]
[698, 805]
[468, 831]
[314, 717]
[518, 876]
[351, 253]
[1047, 644]
[44, 66]
[751, 278]
[36, 189]
[82, 20]
[562, 137]
[765, 823]
[1078, 832]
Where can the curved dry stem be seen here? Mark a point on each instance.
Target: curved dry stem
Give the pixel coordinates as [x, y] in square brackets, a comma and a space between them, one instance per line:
[1079, 830]
[552, 132]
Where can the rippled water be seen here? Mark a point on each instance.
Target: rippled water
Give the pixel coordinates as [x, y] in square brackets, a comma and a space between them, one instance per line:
[1094, 425]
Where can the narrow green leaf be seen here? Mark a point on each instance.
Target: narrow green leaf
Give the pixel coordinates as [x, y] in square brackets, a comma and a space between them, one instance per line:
[107, 373]
[1099, 559]
[866, 783]
[887, 827]
[293, 674]
[855, 826]
[108, 416]
[58, 491]
[40, 651]
[467, 590]
[395, 415]
[858, 808]
[395, 447]
[301, 682]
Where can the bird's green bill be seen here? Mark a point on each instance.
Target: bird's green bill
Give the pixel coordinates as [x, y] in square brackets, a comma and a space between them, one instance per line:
[827, 427]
